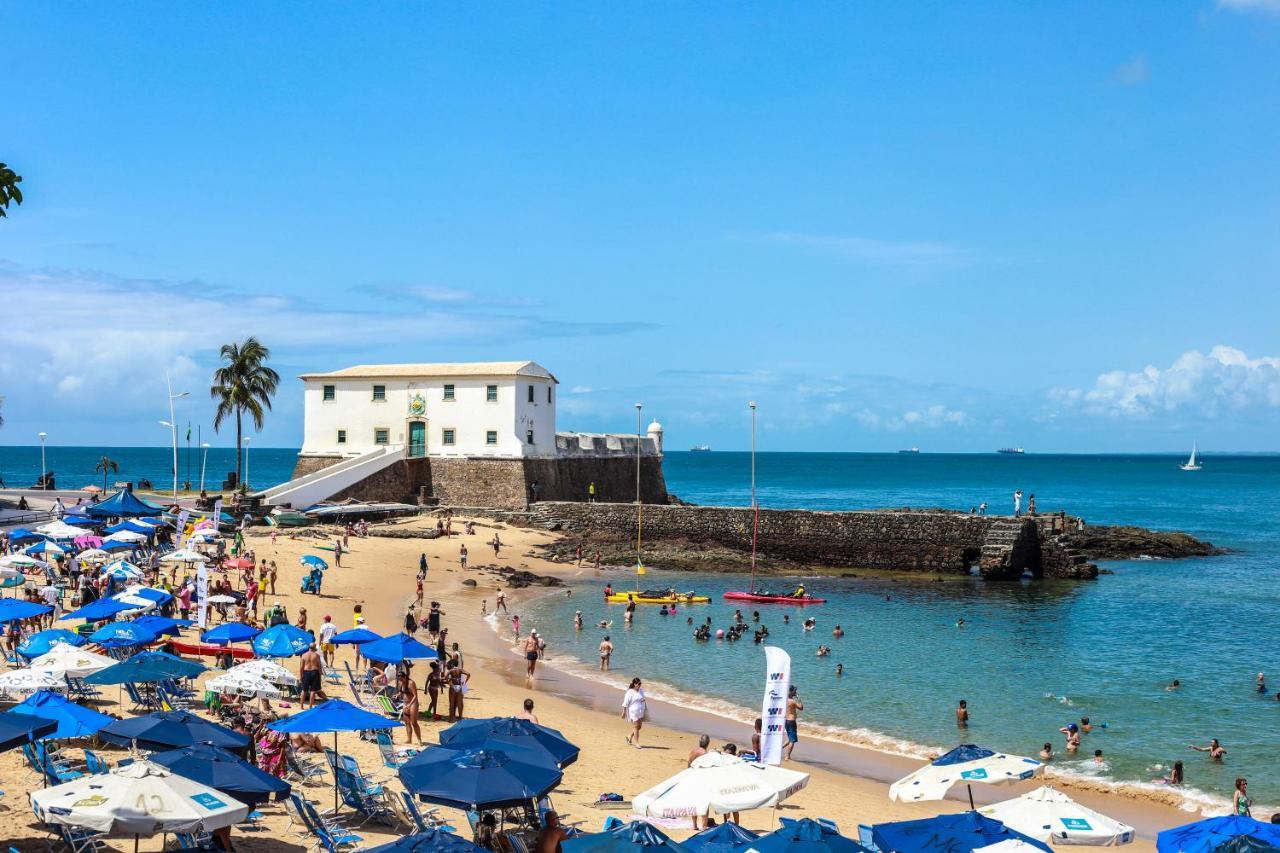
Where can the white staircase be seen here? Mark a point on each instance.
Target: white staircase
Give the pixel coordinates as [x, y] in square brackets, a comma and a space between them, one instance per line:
[321, 485]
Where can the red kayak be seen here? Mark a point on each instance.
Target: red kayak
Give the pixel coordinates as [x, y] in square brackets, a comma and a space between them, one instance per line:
[773, 599]
[209, 650]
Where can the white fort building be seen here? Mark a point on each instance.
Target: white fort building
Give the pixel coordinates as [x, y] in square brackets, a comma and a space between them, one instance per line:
[477, 433]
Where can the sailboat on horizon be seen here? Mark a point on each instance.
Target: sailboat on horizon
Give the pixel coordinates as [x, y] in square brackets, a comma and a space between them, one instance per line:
[1193, 462]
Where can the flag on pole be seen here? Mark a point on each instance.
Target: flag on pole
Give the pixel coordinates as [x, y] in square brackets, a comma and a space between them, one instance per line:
[773, 714]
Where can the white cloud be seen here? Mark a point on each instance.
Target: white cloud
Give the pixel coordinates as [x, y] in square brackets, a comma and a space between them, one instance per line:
[1224, 379]
[581, 389]
[1132, 72]
[936, 416]
[1270, 7]
[868, 250]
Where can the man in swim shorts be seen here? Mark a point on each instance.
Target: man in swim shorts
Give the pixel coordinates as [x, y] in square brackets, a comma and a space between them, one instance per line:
[309, 669]
[531, 652]
[606, 652]
[792, 724]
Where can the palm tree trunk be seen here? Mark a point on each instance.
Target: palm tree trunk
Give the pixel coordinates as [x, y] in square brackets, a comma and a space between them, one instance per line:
[239, 452]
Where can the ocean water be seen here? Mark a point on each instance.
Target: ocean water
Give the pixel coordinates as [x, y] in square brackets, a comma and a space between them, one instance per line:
[1032, 656]
[73, 466]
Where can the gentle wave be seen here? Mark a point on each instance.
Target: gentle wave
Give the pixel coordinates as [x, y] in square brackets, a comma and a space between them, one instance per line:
[1082, 776]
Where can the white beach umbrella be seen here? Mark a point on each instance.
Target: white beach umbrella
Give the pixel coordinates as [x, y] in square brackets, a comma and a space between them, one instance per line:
[60, 530]
[93, 555]
[220, 599]
[968, 764]
[203, 537]
[66, 659]
[1009, 845]
[718, 784]
[267, 670]
[243, 685]
[22, 561]
[184, 555]
[126, 536]
[141, 798]
[30, 680]
[1047, 814]
[122, 568]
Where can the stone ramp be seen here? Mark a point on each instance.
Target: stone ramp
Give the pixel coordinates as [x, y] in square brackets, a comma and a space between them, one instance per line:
[302, 492]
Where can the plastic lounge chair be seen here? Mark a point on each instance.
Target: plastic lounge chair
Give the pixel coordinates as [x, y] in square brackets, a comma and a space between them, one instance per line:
[865, 839]
[329, 834]
[387, 706]
[392, 757]
[517, 843]
[79, 840]
[370, 802]
[94, 763]
[300, 771]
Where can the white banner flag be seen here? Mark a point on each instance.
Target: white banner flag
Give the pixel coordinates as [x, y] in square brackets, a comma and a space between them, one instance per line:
[202, 575]
[181, 524]
[773, 714]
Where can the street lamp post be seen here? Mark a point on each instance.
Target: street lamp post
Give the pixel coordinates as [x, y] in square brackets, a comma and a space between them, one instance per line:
[173, 427]
[755, 508]
[245, 484]
[204, 463]
[43, 467]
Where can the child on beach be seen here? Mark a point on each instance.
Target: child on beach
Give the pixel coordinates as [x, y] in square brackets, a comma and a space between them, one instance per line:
[515, 625]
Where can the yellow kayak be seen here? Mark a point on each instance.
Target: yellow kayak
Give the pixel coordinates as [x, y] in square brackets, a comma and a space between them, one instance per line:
[650, 598]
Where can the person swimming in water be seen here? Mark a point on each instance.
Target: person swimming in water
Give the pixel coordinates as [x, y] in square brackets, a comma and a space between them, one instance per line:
[1072, 731]
[1262, 683]
[1215, 749]
[1046, 752]
[1175, 685]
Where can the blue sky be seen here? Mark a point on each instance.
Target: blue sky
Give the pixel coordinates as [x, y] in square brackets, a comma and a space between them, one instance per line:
[957, 226]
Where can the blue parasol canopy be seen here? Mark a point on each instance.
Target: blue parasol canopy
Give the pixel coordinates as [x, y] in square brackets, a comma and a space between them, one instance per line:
[73, 720]
[282, 641]
[223, 771]
[397, 648]
[118, 545]
[477, 778]
[123, 504]
[230, 632]
[431, 841]
[42, 641]
[118, 635]
[333, 716]
[45, 547]
[103, 608]
[634, 837]
[132, 527]
[806, 836]
[313, 560]
[721, 838]
[1205, 836]
[356, 636]
[146, 667]
[162, 730]
[510, 733]
[17, 608]
[163, 625]
[948, 833]
[22, 534]
[17, 729]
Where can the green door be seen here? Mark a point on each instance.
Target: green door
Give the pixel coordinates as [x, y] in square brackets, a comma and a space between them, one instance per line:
[417, 439]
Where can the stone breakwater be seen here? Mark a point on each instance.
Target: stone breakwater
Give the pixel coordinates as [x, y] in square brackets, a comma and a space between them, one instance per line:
[935, 541]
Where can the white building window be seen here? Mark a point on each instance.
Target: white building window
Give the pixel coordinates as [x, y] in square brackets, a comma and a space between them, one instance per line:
[528, 436]
[491, 437]
[530, 393]
[447, 437]
[448, 393]
[491, 393]
[379, 393]
[329, 393]
[382, 435]
[548, 393]
[342, 436]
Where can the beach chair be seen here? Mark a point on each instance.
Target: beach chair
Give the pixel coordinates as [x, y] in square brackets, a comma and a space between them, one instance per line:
[94, 763]
[517, 843]
[392, 757]
[56, 769]
[332, 676]
[195, 841]
[77, 689]
[300, 771]
[139, 703]
[78, 839]
[387, 706]
[329, 835]
[370, 801]
[865, 838]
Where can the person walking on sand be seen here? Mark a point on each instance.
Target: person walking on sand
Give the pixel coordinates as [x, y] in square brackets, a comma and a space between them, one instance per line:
[309, 669]
[328, 631]
[634, 709]
[462, 555]
[418, 598]
[435, 680]
[337, 553]
[597, 559]
[497, 545]
[515, 625]
[422, 565]
[577, 555]
[1017, 503]
[792, 721]
[409, 710]
[606, 653]
[500, 602]
[531, 654]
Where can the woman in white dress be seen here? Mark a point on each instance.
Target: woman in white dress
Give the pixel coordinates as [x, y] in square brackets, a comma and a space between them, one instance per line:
[633, 709]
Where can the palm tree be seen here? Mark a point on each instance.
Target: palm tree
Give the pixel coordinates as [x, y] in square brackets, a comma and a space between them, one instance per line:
[9, 190]
[243, 384]
[106, 466]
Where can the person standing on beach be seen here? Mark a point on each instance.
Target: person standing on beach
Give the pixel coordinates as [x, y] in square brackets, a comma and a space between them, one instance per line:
[409, 710]
[337, 553]
[634, 709]
[597, 559]
[462, 555]
[606, 653]
[457, 680]
[433, 619]
[1017, 503]
[962, 714]
[327, 632]
[591, 492]
[531, 654]
[422, 565]
[309, 669]
[1216, 751]
[578, 554]
[497, 545]
[1241, 805]
[515, 625]
[792, 721]
[500, 603]
[1031, 504]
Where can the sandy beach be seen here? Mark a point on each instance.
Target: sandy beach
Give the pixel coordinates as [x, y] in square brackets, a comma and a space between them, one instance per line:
[848, 784]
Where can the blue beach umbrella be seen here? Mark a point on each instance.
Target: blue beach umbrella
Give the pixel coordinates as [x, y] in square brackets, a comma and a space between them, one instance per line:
[806, 836]
[313, 560]
[18, 729]
[282, 641]
[163, 625]
[511, 733]
[123, 504]
[431, 841]
[22, 534]
[103, 608]
[118, 545]
[17, 608]
[230, 632]
[948, 833]
[332, 717]
[146, 667]
[42, 641]
[162, 730]
[397, 648]
[634, 837]
[73, 720]
[118, 635]
[45, 547]
[1205, 836]
[721, 838]
[223, 771]
[356, 636]
[478, 779]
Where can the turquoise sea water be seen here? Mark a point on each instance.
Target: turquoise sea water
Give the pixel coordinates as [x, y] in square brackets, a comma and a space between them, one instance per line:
[1032, 656]
[73, 466]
